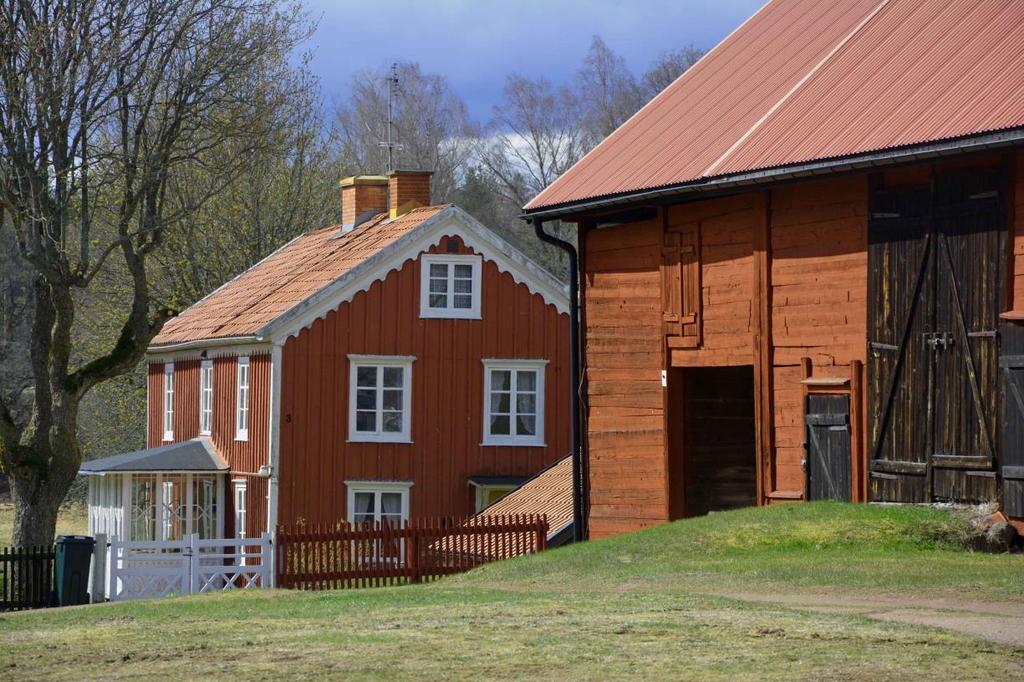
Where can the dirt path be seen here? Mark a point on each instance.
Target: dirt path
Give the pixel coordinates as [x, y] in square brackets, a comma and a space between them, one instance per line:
[999, 622]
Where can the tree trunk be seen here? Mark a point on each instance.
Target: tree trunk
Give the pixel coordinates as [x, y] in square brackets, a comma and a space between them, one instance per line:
[41, 472]
[35, 520]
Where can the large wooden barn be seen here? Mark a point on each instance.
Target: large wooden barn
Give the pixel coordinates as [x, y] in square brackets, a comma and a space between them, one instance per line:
[802, 268]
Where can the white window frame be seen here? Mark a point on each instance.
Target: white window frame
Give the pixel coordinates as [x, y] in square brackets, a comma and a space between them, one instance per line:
[449, 311]
[242, 400]
[239, 491]
[537, 439]
[168, 411]
[205, 397]
[380, 361]
[376, 487]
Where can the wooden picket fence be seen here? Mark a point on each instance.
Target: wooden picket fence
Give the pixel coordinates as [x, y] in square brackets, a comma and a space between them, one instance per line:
[26, 577]
[345, 555]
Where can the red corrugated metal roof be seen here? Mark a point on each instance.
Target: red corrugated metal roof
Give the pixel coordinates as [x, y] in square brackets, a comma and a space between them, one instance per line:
[804, 80]
[287, 277]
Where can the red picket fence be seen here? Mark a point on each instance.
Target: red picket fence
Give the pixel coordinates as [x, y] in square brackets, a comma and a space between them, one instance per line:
[378, 555]
[26, 577]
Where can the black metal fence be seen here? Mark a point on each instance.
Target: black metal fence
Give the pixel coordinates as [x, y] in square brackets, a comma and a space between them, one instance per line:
[26, 577]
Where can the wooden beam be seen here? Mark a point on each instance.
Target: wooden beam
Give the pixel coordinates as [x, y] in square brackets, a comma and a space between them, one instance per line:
[858, 418]
[762, 340]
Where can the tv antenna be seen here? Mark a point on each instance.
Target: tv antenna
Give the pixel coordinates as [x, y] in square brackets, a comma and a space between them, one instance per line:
[390, 145]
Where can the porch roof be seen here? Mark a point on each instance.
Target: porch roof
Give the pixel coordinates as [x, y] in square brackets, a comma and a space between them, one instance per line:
[197, 454]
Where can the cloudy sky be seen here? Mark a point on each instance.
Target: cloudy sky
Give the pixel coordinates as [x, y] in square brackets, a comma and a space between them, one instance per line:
[476, 43]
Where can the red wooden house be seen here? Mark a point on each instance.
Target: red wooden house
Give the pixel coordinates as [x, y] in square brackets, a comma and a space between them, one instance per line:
[802, 268]
[406, 363]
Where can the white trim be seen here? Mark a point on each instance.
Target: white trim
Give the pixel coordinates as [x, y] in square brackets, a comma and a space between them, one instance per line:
[380, 362]
[376, 487]
[450, 260]
[168, 409]
[240, 485]
[538, 366]
[451, 221]
[207, 349]
[205, 370]
[274, 438]
[242, 425]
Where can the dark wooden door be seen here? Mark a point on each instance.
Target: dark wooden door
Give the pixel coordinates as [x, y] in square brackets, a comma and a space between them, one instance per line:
[828, 448]
[1011, 364]
[900, 313]
[970, 266]
[936, 260]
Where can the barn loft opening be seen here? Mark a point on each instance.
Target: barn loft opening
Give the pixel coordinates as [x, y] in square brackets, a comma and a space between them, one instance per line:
[717, 459]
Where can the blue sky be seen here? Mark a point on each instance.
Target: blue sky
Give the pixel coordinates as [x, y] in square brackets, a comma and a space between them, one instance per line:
[477, 43]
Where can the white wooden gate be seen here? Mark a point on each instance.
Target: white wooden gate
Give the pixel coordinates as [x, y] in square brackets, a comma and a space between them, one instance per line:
[148, 569]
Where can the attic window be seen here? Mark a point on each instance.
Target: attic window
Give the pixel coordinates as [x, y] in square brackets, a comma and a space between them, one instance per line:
[450, 286]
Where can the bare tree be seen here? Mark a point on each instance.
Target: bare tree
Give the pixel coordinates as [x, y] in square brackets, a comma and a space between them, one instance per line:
[431, 125]
[607, 90]
[535, 136]
[668, 67]
[102, 102]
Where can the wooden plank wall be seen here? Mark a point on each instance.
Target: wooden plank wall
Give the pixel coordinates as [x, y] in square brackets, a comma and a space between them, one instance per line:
[726, 255]
[819, 301]
[623, 358]
[448, 394]
[1017, 302]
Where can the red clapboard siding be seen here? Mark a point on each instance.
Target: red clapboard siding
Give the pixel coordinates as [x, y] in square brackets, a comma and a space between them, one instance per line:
[447, 399]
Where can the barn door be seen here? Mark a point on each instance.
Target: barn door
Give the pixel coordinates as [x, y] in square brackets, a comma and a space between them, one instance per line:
[1011, 364]
[828, 448]
[936, 258]
[970, 262]
[900, 311]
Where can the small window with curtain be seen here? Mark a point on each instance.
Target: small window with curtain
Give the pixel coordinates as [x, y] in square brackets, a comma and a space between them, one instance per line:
[383, 503]
[242, 401]
[169, 401]
[514, 402]
[450, 286]
[205, 397]
[380, 398]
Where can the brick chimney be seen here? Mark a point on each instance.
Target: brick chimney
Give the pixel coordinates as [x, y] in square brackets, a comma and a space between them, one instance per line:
[408, 189]
[362, 197]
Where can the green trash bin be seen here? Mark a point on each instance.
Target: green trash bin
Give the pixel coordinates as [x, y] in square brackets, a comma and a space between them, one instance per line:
[73, 557]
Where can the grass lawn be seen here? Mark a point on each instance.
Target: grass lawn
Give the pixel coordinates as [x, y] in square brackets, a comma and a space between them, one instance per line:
[647, 605]
[72, 520]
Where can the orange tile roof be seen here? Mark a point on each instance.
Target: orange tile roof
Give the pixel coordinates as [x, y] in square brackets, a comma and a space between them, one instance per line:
[290, 275]
[549, 492]
[806, 80]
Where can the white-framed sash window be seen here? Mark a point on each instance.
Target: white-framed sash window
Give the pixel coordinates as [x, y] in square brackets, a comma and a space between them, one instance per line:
[205, 397]
[514, 402]
[450, 286]
[380, 398]
[169, 401]
[376, 501]
[242, 400]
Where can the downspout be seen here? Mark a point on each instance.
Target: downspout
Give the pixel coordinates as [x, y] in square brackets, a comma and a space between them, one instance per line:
[579, 483]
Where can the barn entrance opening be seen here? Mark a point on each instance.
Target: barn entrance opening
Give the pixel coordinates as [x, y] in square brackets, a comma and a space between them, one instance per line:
[718, 439]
